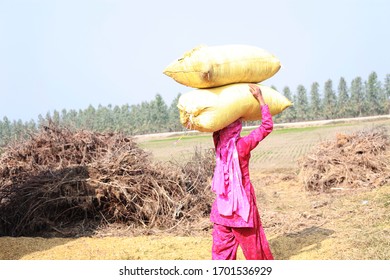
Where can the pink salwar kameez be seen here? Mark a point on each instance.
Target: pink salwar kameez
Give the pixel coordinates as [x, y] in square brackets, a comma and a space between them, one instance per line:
[234, 212]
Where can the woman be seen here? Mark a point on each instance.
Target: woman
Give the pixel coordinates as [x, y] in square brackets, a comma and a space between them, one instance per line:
[234, 212]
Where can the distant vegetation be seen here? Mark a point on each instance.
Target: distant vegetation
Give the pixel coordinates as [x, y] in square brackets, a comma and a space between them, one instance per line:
[359, 98]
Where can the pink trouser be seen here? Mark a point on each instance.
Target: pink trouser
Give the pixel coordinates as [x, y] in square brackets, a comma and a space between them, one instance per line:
[252, 240]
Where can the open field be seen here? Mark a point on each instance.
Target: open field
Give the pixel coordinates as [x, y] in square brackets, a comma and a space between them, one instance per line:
[280, 150]
[346, 224]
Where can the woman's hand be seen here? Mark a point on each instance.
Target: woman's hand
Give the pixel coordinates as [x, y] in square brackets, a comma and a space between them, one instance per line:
[256, 91]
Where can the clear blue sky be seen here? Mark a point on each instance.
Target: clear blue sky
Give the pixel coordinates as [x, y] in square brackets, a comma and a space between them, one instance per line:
[73, 53]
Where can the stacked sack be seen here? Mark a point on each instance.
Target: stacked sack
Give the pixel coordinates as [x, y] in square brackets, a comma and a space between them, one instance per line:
[220, 76]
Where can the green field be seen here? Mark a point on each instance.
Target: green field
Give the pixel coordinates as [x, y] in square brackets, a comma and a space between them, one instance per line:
[280, 150]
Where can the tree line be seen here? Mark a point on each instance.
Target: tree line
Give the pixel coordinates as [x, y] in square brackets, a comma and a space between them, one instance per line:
[357, 99]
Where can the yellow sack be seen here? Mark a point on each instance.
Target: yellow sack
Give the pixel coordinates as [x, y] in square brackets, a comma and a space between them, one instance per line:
[209, 110]
[206, 67]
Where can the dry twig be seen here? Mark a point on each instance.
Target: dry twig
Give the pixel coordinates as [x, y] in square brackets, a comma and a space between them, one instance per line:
[61, 178]
[351, 161]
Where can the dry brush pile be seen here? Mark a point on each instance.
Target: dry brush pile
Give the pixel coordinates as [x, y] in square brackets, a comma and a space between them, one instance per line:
[61, 178]
[361, 159]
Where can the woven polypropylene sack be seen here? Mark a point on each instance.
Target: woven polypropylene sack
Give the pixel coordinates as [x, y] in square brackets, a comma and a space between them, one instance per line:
[206, 67]
[209, 110]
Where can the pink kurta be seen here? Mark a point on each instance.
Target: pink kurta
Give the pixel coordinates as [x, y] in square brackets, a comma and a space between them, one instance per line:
[240, 227]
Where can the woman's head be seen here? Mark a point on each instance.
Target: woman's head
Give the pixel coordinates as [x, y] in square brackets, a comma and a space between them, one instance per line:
[232, 131]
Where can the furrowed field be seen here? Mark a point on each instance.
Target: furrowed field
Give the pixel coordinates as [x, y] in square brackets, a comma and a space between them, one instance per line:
[345, 223]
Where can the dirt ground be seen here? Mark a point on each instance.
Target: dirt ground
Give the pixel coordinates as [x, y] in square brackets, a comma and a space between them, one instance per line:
[348, 224]
[343, 224]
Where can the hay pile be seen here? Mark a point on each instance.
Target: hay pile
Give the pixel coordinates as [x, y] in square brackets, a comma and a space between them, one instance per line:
[62, 179]
[358, 160]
